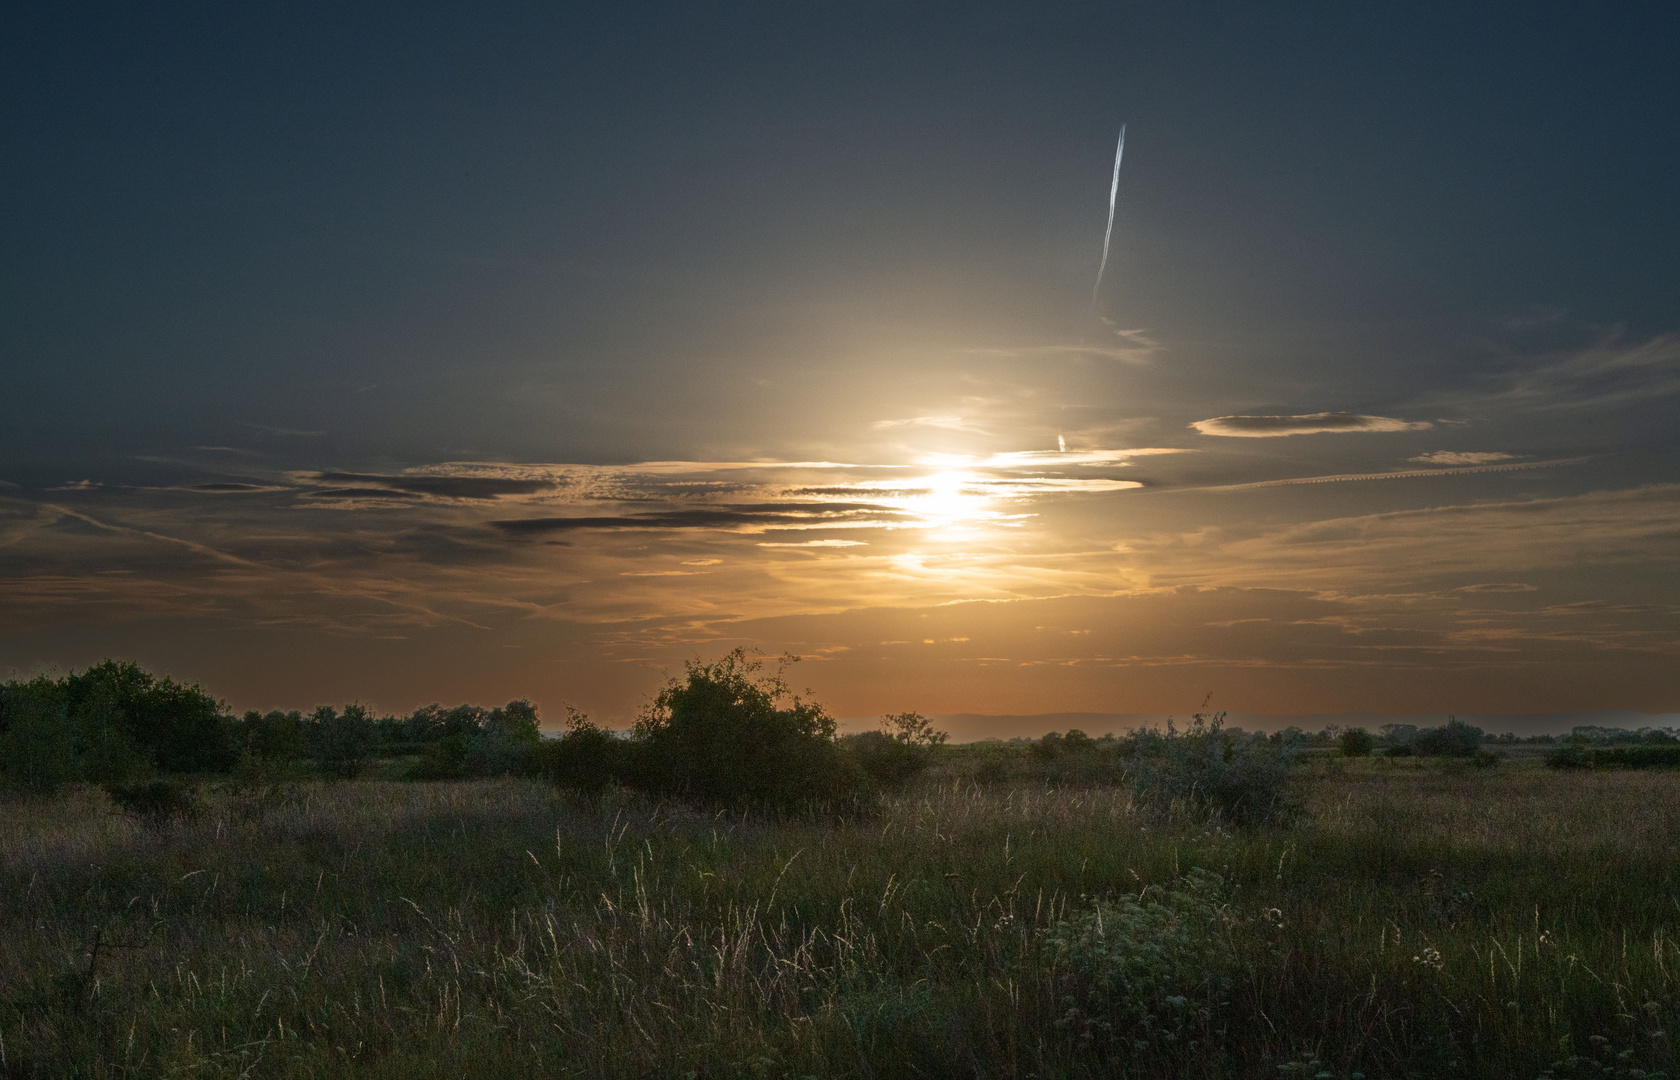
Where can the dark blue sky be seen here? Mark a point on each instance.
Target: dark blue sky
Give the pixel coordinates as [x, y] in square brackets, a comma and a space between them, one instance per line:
[369, 239]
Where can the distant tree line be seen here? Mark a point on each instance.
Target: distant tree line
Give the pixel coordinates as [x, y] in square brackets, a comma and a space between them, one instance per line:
[118, 725]
[723, 734]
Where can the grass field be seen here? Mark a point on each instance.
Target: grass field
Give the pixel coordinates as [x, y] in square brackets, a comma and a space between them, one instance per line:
[1419, 919]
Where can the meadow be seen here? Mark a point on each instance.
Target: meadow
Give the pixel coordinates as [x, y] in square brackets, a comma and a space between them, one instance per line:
[1415, 917]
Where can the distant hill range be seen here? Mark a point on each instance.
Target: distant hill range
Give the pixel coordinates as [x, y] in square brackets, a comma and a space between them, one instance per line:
[975, 727]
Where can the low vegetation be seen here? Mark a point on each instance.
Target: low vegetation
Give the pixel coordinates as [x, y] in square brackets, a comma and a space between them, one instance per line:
[1194, 902]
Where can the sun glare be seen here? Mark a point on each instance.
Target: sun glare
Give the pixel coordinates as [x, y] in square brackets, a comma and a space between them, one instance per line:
[950, 500]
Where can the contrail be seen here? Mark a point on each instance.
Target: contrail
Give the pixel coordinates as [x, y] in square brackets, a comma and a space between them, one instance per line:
[1108, 234]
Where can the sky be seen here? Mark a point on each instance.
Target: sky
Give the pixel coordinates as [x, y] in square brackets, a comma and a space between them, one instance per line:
[411, 353]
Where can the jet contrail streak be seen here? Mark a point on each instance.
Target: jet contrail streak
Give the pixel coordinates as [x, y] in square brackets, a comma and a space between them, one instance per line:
[1108, 234]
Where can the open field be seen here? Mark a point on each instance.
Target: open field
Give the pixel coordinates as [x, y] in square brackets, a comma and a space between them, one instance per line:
[1420, 918]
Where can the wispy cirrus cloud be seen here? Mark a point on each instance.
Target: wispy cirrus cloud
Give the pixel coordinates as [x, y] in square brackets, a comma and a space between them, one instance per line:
[1462, 457]
[1610, 373]
[1601, 528]
[948, 423]
[1260, 427]
[1396, 474]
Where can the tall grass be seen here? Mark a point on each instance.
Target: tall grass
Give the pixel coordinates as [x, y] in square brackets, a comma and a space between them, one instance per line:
[1416, 920]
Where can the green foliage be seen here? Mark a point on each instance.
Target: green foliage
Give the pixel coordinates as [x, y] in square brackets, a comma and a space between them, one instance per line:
[111, 723]
[505, 741]
[1355, 742]
[1453, 739]
[899, 752]
[39, 752]
[726, 735]
[1576, 756]
[275, 737]
[467, 740]
[1147, 979]
[158, 801]
[586, 758]
[343, 742]
[1074, 759]
[1231, 778]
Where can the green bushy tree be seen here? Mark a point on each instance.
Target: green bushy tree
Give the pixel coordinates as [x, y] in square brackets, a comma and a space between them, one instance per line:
[113, 723]
[343, 741]
[38, 749]
[504, 741]
[724, 734]
[1355, 742]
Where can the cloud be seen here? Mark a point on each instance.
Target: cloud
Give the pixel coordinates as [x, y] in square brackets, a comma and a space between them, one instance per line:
[446, 487]
[1259, 427]
[816, 544]
[1604, 528]
[949, 423]
[1398, 474]
[1461, 457]
[1498, 587]
[1047, 459]
[749, 517]
[1610, 373]
[295, 432]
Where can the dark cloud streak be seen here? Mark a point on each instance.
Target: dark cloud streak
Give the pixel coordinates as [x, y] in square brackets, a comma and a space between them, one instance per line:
[447, 487]
[763, 515]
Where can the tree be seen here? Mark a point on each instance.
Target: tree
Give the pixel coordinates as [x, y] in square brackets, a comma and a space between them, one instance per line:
[38, 752]
[343, 741]
[504, 740]
[178, 727]
[1356, 742]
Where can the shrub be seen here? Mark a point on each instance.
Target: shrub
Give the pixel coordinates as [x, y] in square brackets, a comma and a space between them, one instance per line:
[157, 801]
[1355, 742]
[443, 758]
[899, 752]
[1048, 747]
[725, 735]
[588, 758]
[1235, 779]
[1454, 739]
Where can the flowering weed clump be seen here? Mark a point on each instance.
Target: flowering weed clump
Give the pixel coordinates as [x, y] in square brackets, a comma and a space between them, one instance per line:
[1147, 978]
